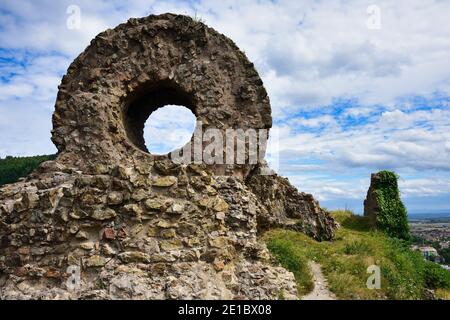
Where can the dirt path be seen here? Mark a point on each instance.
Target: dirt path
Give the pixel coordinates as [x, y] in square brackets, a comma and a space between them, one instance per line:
[320, 291]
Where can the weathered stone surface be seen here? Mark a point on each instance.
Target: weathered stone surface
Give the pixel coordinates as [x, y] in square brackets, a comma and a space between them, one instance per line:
[115, 197]
[164, 181]
[154, 204]
[95, 261]
[109, 234]
[286, 207]
[371, 208]
[103, 214]
[134, 256]
[87, 245]
[215, 203]
[142, 226]
[176, 208]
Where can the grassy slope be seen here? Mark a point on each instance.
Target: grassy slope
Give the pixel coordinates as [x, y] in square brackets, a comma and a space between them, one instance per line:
[404, 274]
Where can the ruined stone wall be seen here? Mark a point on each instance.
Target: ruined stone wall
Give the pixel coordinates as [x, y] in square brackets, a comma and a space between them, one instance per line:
[126, 73]
[383, 206]
[371, 208]
[109, 220]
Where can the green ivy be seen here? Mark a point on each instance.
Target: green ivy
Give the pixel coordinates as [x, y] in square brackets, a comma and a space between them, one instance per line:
[392, 216]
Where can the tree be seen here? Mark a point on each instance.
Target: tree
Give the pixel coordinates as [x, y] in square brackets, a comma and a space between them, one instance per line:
[13, 168]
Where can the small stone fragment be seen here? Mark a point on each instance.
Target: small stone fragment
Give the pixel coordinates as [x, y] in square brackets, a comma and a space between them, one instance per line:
[115, 198]
[83, 235]
[166, 224]
[154, 204]
[219, 242]
[168, 233]
[87, 245]
[164, 181]
[52, 273]
[108, 250]
[169, 245]
[176, 208]
[109, 234]
[103, 214]
[134, 210]
[95, 262]
[134, 256]
[220, 205]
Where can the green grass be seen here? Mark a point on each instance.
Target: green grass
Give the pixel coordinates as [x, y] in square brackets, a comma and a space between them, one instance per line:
[293, 260]
[404, 273]
[13, 168]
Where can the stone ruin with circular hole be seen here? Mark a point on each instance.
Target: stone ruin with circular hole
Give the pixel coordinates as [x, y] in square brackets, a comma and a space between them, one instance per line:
[108, 220]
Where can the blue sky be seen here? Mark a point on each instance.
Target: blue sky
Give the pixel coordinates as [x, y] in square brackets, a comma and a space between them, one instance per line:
[347, 99]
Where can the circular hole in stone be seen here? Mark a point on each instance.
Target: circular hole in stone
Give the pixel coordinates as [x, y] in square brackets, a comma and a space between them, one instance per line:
[159, 117]
[169, 128]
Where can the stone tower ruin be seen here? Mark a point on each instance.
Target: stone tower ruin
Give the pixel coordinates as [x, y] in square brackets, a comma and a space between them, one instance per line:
[109, 220]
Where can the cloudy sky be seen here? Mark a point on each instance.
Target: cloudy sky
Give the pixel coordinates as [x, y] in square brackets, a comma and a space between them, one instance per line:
[355, 86]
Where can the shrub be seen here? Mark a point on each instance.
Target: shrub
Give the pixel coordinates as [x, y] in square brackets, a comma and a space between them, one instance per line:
[357, 247]
[402, 270]
[435, 276]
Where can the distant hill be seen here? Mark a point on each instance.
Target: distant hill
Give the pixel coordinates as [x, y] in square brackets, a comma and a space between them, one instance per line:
[438, 216]
[13, 168]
